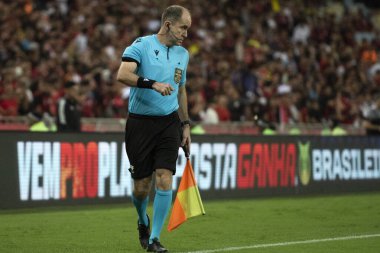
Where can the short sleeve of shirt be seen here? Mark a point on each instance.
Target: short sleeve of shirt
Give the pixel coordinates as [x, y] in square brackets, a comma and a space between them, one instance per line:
[134, 51]
[183, 80]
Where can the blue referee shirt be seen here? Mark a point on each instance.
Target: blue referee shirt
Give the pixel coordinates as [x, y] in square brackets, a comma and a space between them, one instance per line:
[161, 63]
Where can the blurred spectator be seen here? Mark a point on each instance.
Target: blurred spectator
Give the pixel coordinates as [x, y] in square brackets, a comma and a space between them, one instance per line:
[236, 104]
[44, 123]
[68, 109]
[221, 108]
[265, 127]
[9, 101]
[371, 121]
[209, 115]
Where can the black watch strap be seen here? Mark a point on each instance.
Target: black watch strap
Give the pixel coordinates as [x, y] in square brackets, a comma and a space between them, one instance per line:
[145, 83]
[185, 122]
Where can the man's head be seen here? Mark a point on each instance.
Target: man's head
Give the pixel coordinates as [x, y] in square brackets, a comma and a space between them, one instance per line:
[175, 22]
[71, 89]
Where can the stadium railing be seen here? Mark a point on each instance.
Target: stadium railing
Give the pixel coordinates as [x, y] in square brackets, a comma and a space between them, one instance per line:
[22, 123]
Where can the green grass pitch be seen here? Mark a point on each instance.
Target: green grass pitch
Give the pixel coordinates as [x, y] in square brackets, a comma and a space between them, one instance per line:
[232, 223]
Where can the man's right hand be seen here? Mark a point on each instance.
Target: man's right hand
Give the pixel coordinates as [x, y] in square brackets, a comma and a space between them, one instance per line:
[163, 88]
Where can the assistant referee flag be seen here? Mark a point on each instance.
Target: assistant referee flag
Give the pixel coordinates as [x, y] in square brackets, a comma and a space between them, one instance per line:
[188, 202]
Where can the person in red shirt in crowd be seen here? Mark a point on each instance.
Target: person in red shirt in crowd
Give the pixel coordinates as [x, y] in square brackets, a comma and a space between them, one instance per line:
[9, 101]
[222, 108]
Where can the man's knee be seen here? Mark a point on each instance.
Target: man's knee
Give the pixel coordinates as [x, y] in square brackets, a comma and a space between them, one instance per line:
[164, 179]
[141, 188]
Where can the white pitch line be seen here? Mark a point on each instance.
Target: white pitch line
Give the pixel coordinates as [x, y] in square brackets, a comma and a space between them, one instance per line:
[353, 237]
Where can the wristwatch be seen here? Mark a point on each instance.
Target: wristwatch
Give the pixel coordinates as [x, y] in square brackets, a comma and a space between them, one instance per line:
[185, 122]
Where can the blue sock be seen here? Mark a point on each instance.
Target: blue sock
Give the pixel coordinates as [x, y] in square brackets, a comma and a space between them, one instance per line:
[141, 209]
[161, 206]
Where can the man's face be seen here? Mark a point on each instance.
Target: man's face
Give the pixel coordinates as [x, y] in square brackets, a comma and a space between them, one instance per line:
[73, 91]
[178, 30]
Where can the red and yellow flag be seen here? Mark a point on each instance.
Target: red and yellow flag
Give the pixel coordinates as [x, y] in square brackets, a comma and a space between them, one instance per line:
[188, 202]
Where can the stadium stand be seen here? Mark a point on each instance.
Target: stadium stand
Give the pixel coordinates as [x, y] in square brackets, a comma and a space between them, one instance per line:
[286, 63]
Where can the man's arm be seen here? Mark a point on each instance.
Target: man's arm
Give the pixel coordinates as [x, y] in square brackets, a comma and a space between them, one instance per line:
[126, 73]
[184, 116]
[370, 126]
[127, 76]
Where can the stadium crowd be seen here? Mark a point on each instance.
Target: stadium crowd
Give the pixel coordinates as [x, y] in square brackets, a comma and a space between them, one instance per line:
[281, 61]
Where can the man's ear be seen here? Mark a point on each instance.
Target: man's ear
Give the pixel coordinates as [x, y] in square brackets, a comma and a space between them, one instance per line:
[167, 25]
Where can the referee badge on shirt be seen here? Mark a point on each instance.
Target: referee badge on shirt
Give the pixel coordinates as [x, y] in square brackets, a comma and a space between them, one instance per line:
[177, 75]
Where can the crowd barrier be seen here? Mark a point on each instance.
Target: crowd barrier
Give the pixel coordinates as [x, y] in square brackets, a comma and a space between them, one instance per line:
[116, 125]
[45, 169]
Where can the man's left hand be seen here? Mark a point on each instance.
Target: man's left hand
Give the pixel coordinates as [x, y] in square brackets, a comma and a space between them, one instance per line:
[186, 140]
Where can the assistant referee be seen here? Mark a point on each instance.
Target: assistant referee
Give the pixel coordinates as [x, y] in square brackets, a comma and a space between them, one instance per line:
[155, 68]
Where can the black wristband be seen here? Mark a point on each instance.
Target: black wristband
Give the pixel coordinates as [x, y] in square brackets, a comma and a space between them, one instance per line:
[185, 122]
[145, 83]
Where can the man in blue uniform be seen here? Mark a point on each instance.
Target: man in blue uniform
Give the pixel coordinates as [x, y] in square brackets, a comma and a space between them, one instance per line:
[155, 68]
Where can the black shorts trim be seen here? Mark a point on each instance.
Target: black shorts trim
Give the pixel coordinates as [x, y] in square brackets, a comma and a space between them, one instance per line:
[141, 116]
